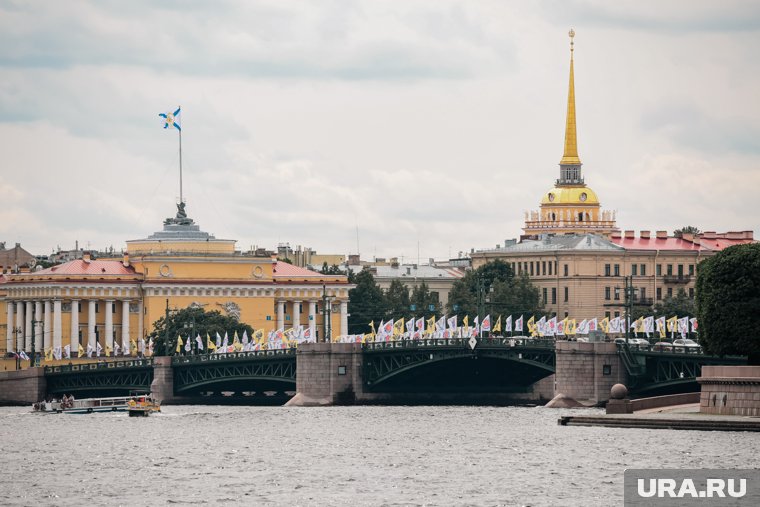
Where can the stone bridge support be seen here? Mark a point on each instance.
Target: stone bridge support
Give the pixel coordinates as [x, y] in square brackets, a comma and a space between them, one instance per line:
[328, 374]
[587, 371]
[22, 387]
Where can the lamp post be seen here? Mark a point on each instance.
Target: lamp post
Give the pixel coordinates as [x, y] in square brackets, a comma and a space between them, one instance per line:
[32, 356]
[17, 333]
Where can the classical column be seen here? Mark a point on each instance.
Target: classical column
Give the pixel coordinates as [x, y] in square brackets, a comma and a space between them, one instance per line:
[74, 338]
[313, 319]
[91, 319]
[125, 325]
[28, 327]
[57, 331]
[10, 342]
[20, 326]
[38, 327]
[280, 314]
[344, 318]
[296, 313]
[46, 329]
[141, 316]
[109, 323]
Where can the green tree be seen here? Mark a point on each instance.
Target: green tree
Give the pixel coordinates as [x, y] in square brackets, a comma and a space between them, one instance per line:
[190, 322]
[397, 300]
[330, 270]
[424, 300]
[728, 302]
[688, 229]
[366, 303]
[680, 304]
[496, 282]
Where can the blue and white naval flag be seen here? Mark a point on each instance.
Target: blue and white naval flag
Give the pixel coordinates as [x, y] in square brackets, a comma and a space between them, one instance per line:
[171, 119]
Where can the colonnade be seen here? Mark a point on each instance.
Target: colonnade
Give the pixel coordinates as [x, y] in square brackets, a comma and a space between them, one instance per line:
[312, 321]
[43, 320]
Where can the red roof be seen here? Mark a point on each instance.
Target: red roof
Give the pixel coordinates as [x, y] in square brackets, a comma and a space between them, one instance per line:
[679, 244]
[80, 267]
[285, 270]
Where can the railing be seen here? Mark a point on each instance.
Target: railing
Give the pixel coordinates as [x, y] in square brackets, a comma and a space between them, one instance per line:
[500, 341]
[662, 349]
[642, 301]
[676, 278]
[233, 355]
[104, 365]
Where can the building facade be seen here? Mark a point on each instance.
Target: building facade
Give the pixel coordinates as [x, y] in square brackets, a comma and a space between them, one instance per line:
[106, 301]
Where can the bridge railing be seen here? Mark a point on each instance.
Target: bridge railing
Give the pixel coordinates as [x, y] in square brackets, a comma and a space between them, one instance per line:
[103, 365]
[496, 341]
[200, 358]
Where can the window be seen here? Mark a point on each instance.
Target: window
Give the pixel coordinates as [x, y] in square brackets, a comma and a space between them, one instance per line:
[617, 314]
[545, 296]
[659, 293]
[691, 292]
[658, 270]
[617, 269]
[113, 307]
[606, 270]
[617, 294]
[643, 293]
[513, 267]
[634, 270]
[607, 315]
[565, 269]
[691, 269]
[643, 270]
[670, 270]
[550, 267]
[680, 270]
[531, 268]
[97, 307]
[525, 267]
[269, 317]
[567, 294]
[670, 292]
[566, 314]
[543, 267]
[519, 268]
[607, 293]
[554, 295]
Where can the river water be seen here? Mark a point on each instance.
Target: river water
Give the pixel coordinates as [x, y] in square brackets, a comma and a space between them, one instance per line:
[214, 455]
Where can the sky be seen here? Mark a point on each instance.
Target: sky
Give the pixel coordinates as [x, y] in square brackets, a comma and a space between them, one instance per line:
[411, 129]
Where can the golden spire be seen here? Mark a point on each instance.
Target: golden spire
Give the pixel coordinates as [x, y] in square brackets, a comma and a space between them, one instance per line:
[571, 142]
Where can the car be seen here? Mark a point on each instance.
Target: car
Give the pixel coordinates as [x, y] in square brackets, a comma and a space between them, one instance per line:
[638, 342]
[662, 347]
[619, 340]
[686, 345]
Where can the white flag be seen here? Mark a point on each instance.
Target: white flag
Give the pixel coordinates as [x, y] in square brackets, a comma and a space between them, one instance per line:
[67, 351]
[508, 324]
[199, 342]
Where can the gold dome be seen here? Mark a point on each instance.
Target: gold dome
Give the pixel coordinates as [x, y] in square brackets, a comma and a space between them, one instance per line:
[582, 196]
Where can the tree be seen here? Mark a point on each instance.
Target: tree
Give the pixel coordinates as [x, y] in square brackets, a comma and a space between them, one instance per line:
[285, 260]
[495, 281]
[190, 322]
[680, 304]
[425, 302]
[331, 270]
[366, 303]
[688, 229]
[728, 302]
[397, 300]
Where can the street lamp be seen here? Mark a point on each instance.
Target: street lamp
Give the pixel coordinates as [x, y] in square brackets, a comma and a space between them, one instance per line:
[17, 332]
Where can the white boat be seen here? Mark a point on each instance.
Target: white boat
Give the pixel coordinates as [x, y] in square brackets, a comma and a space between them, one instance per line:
[70, 405]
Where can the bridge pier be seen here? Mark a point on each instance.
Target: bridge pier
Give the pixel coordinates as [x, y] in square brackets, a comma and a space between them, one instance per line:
[162, 387]
[328, 374]
[22, 387]
[587, 371]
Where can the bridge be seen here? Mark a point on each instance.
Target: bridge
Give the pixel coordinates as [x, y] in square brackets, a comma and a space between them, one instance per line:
[390, 370]
[457, 365]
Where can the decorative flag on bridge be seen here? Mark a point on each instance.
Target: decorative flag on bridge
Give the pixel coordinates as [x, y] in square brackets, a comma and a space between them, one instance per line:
[199, 341]
[497, 326]
[80, 351]
[518, 323]
[452, 323]
[508, 324]
[486, 324]
[210, 346]
[178, 348]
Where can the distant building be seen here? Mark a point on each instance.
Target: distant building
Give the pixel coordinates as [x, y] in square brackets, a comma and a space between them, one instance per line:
[438, 279]
[92, 301]
[13, 260]
[577, 257]
[308, 258]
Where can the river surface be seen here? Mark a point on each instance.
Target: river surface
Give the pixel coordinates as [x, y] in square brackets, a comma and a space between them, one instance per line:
[214, 455]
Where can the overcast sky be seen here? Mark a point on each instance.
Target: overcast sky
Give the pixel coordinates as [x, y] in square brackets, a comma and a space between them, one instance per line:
[433, 123]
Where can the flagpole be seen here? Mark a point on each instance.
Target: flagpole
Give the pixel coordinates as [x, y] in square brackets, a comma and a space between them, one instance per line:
[180, 161]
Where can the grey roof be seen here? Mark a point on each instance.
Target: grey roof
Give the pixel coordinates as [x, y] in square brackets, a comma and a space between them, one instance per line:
[563, 242]
[411, 271]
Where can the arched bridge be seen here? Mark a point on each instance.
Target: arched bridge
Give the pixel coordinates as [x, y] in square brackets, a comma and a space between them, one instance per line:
[112, 378]
[457, 365]
[653, 370]
[252, 373]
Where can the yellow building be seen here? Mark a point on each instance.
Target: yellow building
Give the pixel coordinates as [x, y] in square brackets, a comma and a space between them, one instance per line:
[570, 207]
[106, 301]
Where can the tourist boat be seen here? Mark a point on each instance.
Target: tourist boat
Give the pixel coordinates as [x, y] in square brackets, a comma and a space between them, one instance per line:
[70, 405]
[142, 406]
